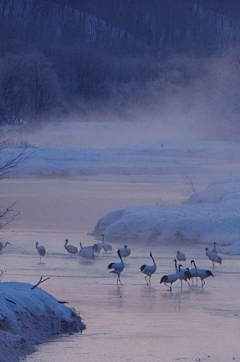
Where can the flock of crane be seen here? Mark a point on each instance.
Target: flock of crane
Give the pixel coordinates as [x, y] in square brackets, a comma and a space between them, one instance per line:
[89, 252]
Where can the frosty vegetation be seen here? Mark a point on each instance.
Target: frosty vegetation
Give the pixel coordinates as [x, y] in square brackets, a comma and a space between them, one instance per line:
[28, 317]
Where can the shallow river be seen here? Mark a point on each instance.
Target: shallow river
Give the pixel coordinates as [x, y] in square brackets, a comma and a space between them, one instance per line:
[132, 322]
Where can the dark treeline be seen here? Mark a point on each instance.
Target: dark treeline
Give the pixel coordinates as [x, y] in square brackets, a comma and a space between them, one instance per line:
[58, 56]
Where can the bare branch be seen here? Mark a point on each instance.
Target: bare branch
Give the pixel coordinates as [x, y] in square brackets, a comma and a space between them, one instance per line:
[7, 215]
[40, 281]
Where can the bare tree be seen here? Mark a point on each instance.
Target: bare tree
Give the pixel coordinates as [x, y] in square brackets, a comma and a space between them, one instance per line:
[9, 214]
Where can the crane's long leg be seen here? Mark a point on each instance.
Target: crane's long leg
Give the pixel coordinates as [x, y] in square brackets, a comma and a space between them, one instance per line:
[203, 282]
[120, 280]
[168, 286]
[188, 283]
[149, 280]
[146, 279]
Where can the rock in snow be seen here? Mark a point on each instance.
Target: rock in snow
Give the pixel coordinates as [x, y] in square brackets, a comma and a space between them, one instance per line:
[28, 317]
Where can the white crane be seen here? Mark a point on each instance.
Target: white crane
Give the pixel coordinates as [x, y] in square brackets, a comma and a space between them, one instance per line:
[106, 246]
[213, 257]
[125, 251]
[117, 267]
[87, 252]
[71, 249]
[41, 250]
[2, 246]
[149, 269]
[180, 256]
[214, 250]
[201, 273]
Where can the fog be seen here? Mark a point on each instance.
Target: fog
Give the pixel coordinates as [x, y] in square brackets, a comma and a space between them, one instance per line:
[188, 97]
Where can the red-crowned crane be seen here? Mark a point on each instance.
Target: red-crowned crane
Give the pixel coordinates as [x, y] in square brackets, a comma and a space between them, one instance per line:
[71, 249]
[149, 269]
[180, 256]
[2, 246]
[125, 251]
[117, 267]
[213, 257]
[201, 273]
[41, 250]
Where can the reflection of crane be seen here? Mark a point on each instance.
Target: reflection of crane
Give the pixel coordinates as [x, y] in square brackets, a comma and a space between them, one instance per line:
[41, 250]
[125, 251]
[2, 246]
[117, 267]
[87, 252]
[149, 269]
[180, 256]
[106, 246]
[70, 248]
[201, 273]
[214, 250]
[213, 257]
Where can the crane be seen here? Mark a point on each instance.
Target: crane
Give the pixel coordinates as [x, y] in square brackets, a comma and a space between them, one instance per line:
[41, 250]
[125, 251]
[213, 257]
[87, 252]
[149, 269]
[214, 250]
[117, 267]
[180, 256]
[2, 246]
[184, 274]
[201, 273]
[71, 249]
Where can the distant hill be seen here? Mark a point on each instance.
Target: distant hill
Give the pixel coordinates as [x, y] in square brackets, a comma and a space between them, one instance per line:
[83, 56]
[125, 26]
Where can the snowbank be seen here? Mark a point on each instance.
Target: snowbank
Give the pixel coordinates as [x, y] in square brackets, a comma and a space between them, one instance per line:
[148, 160]
[212, 215]
[30, 316]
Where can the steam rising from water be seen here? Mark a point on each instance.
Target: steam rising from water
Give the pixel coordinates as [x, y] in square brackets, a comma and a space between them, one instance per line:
[191, 98]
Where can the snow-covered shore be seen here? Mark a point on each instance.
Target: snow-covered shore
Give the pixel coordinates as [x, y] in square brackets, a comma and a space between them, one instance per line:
[28, 317]
[210, 216]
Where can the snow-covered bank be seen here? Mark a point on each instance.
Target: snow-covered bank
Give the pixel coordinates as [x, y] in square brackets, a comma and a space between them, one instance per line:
[150, 161]
[28, 317]
[212, 215]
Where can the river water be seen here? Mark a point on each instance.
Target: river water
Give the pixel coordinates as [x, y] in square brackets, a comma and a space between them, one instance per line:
[132, 322]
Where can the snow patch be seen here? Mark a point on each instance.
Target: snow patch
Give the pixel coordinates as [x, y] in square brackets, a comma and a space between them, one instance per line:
[212, 215]
[30, 316]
